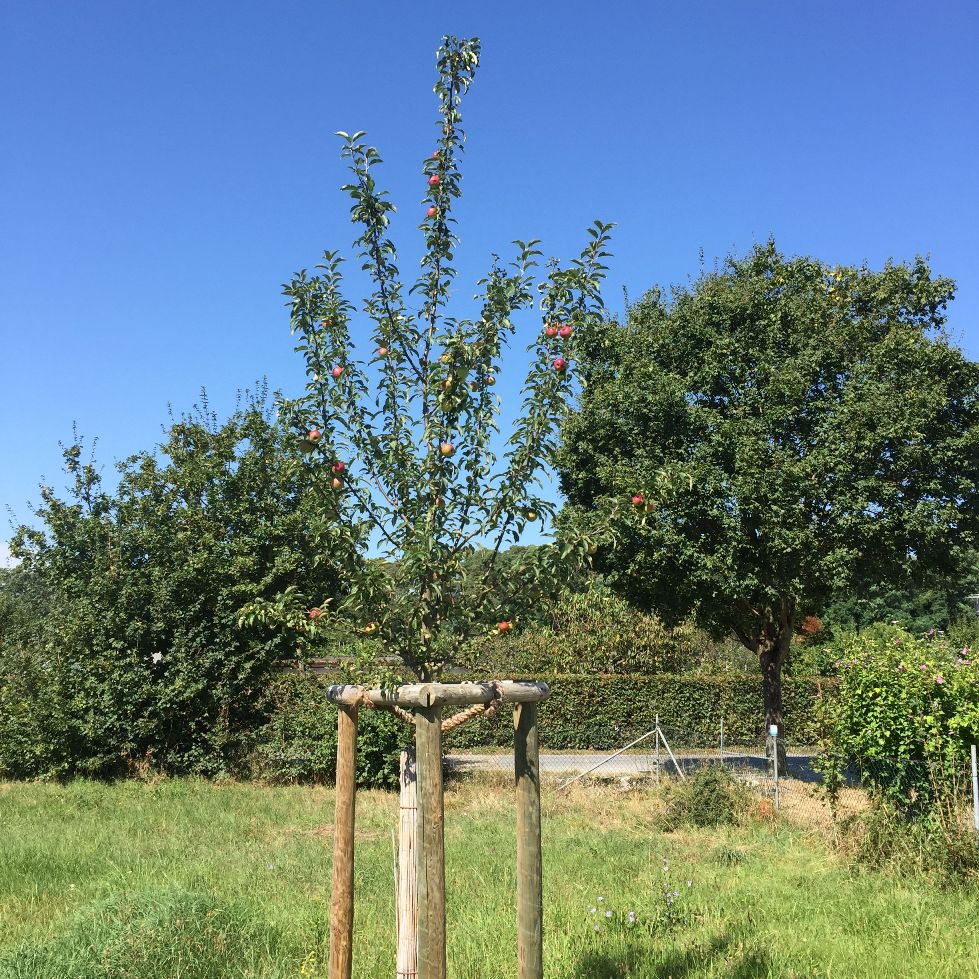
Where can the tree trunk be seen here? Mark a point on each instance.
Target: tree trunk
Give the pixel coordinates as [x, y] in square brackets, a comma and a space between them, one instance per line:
[773, 648]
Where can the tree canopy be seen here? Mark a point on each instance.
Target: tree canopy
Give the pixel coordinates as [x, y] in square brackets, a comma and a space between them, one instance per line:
[776, 434]
[402, 417]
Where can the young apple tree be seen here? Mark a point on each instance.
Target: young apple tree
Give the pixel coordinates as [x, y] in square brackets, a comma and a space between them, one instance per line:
[400, 420]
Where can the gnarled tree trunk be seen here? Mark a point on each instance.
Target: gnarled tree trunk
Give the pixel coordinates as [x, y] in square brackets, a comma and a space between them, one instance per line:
[769, 636]
[772, 649]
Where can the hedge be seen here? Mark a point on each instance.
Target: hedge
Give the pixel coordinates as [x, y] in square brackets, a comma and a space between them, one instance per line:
[604, 712]
[298, 743]
[583, 712]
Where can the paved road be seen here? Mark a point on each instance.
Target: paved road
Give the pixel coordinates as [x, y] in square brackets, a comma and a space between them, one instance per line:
[629, 763]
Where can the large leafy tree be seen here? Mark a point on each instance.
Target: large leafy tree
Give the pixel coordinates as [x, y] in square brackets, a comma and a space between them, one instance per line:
[401, 415]
[781, 432]
[125, 606]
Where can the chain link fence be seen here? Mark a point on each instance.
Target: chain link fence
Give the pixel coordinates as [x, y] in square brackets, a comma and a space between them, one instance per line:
[796, 794]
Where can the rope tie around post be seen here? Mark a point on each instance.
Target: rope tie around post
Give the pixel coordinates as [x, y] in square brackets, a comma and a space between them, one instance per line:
[422, 703]
[477, 710]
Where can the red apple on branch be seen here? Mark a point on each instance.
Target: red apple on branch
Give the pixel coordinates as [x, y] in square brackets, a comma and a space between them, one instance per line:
[505, 626]
[564, 332]
[434, 180]
[551, 330]
[560, 365]
[313, 435]
[637, 499]
[337, 372]
[314, 613]
[447, 448]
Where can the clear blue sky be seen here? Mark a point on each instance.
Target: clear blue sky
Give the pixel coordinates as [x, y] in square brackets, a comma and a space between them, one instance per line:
[165, 167]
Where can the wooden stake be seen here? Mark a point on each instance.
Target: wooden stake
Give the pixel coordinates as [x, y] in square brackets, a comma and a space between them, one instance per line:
[407, 959]
[530, 905]
[430, 852]
[342, 899]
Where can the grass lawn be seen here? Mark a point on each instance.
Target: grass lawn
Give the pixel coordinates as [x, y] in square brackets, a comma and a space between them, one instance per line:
[198, 881]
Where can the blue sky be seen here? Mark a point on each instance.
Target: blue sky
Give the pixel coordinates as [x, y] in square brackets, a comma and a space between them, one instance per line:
[165, 167]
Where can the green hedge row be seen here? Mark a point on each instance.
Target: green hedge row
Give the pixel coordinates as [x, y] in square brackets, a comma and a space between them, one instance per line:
[298, 743]
[604, 712]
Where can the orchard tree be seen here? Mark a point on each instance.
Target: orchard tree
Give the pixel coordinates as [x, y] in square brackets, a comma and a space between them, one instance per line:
[783, 432]
[400, 415]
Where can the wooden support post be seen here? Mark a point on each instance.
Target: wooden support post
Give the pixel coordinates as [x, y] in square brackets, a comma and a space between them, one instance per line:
[530, 903]
[407, 906]
[342, 899]
[430, 852]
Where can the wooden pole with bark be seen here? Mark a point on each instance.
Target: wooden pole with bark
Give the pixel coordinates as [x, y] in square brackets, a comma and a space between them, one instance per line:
[342, 899]
[430, 849]
[530, 907]
[425, 701]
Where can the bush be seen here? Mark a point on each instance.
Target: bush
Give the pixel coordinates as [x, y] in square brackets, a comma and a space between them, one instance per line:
[884, 838]
[38, 735]
[603, 712]
[298, 743]
[905, 711]
[710, 796]
[129, 599]
[595, 631]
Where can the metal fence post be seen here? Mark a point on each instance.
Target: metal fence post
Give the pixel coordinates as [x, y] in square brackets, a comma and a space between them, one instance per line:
[975, 790]
[722, 740]
[773, 738]
[657, 749]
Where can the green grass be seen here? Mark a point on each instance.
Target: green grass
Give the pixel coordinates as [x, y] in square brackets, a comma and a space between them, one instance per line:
[199, 881]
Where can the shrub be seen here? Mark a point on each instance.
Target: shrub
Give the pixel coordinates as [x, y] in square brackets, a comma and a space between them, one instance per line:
[710, 796]
[595, 631]
[905, 711]
[128, 598]
[38, 735]
[604, 712]
[298, 743]
[883, 837]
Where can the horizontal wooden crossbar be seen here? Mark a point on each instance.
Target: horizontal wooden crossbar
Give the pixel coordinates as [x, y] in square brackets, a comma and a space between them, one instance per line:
[438, 694]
